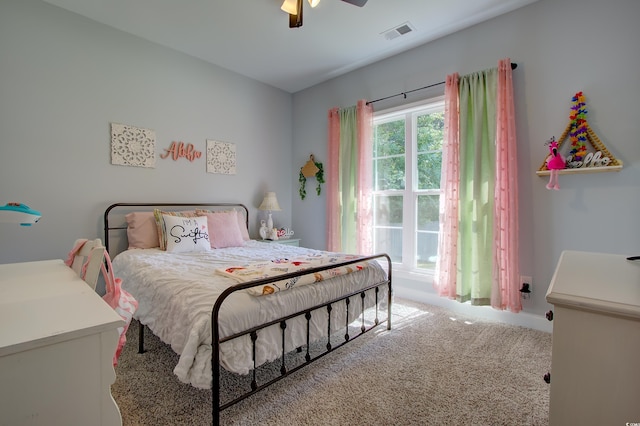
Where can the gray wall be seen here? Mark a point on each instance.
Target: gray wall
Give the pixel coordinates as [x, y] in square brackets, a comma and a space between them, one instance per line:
[64, 79]
[561, 47]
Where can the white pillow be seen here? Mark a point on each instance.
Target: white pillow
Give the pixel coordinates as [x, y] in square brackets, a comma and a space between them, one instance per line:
[186, 234]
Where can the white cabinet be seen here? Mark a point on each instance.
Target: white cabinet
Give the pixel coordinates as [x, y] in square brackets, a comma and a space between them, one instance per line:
[57, 340]
[595, 367]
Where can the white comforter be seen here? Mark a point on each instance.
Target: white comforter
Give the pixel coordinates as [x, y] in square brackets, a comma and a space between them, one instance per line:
[176, 292]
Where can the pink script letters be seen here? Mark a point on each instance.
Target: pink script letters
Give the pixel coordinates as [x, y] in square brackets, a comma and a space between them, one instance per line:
[179, 149]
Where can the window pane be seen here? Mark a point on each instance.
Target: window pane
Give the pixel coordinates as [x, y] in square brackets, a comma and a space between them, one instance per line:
[427, 233]
[429, 168]
[428, 212]
[430, 131]
[388, 155]
[388, 226]
[389, 173]
[388, 139]
[429, 158]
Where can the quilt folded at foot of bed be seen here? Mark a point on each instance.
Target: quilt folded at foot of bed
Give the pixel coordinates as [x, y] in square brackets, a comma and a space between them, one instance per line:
[279, 266]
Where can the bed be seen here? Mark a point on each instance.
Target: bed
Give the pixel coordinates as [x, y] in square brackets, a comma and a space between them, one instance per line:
[235, 304]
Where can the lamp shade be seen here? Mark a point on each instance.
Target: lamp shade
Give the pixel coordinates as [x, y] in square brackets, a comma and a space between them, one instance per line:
[314, 3]
[290, 6]
[270, 202]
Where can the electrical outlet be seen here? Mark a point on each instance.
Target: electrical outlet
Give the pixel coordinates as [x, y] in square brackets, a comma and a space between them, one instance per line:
[526, 280]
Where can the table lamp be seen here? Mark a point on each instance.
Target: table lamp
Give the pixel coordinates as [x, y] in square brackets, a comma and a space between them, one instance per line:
[270, 203]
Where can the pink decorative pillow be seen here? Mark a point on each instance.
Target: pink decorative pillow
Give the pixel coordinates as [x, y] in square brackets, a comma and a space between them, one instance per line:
[242, 223]
[223, 229]
[141, 230]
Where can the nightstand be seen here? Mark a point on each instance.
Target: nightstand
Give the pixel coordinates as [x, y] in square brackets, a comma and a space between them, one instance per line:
[287, 242]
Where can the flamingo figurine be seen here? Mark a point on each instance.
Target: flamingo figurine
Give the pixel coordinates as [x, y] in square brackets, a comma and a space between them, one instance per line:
[555, 162]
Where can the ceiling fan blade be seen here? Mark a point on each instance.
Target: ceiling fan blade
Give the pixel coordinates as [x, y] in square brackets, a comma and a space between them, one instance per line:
[358, 3]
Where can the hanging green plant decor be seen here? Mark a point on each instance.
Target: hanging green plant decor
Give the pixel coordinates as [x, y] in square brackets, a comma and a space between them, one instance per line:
[303, 179]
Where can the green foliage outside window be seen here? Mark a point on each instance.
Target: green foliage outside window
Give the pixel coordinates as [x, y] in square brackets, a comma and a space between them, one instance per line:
[430, 136]
[389, 150]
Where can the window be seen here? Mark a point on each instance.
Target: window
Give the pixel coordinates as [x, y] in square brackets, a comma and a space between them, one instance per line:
[407, 158]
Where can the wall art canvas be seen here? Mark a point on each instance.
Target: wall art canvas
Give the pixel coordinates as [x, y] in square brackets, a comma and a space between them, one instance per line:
[132, 146]
[221, 157]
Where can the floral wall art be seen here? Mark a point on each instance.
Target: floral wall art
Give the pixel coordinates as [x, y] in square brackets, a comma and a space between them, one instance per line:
[132, 146]
[221, 157]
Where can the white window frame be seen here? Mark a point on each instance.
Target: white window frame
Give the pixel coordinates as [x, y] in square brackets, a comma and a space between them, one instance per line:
[410, 193]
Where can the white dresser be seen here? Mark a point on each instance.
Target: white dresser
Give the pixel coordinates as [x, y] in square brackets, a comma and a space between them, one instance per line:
[595, 367]
[57, 340]
[285, 241]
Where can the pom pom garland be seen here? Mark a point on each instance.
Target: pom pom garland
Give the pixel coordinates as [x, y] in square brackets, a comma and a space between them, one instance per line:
[578, 133]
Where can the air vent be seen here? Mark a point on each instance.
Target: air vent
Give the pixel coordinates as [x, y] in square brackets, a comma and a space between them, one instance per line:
[398, 31]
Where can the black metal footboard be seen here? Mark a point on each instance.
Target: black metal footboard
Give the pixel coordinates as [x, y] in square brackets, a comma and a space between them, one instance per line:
[217, 407]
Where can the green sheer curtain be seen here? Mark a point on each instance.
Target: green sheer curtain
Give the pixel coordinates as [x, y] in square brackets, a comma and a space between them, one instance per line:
[349, 179]
[477, 176]
[348, 176]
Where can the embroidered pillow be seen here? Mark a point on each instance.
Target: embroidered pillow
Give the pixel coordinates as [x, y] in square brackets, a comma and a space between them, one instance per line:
[242, 223]
[224, 230]
[162, 238]
[141, 230]
[185, 234]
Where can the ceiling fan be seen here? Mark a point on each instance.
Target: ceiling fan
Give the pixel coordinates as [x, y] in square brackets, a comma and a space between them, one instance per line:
[294, 9]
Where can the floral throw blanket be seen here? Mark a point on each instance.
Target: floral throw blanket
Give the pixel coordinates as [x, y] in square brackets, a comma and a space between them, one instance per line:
[271, 268]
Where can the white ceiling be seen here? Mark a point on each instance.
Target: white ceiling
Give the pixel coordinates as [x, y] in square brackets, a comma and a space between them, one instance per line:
[253, 38]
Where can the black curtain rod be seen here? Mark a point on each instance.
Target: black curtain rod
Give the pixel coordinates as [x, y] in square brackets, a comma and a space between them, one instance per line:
[513, 67]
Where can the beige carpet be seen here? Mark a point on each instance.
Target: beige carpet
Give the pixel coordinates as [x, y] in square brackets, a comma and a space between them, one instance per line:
[433, 368]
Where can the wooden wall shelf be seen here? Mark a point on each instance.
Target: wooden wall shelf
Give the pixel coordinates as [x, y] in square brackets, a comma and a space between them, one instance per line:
[615, 168]
[615, 165]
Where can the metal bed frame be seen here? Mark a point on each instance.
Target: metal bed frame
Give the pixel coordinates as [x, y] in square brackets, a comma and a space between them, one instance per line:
[216, 406]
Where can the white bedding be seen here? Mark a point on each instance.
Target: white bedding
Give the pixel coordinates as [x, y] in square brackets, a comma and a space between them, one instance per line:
[176, 292]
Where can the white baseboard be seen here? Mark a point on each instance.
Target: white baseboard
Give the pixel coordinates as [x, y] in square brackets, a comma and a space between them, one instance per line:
[522, 319]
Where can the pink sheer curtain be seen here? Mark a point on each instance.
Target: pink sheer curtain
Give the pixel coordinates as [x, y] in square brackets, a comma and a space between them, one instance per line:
[364, 218]
[505, 293]
[337, 175]
[446, 266]
[334, 208]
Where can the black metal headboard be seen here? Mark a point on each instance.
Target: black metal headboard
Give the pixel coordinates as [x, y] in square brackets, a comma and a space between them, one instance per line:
[115, 224]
